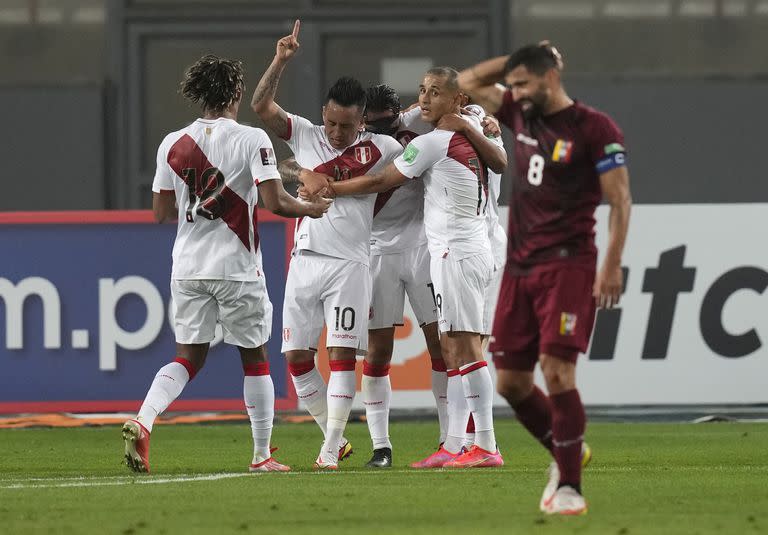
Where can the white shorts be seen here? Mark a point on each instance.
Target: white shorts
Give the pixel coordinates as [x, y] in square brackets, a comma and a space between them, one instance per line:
[393, 276]
[460, 287]
[326, 290]
[491, 299]
[242, 308]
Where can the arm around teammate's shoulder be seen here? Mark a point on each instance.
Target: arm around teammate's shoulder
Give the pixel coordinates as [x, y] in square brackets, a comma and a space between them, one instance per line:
[489, 151]
[481, 83]
[279, 202]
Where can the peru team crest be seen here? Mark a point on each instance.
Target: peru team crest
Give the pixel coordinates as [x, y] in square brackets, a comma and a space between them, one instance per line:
[363, 154]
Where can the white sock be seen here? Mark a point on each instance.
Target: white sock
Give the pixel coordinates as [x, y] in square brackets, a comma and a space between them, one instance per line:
[478, 389]
[458, 413]
[469, 440]
[169, 381]
[341, 394]
[259, 396]
[377, 393]
[440, 391]
[311, 391]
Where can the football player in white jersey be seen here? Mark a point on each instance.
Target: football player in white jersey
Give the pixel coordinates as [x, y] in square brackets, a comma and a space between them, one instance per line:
[329, 279]
[457, 234]
[496, 234]
[215, 169]
[400, 265]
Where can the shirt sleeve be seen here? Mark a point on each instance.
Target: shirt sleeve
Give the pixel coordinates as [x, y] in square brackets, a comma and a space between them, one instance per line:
[606, 143]
[508, 108]
[420, 154]
[164, 176]
[409, 118]
[392, 149]
[299, 129]
[262, 161]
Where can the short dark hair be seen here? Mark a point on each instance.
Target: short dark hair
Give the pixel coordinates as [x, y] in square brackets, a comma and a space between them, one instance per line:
[382, 97]
[347, 91]
[213, 82]
[537, 58]
[450, 74]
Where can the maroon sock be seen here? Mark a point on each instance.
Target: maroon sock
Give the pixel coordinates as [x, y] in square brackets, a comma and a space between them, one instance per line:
[535, 413]
[568, 424]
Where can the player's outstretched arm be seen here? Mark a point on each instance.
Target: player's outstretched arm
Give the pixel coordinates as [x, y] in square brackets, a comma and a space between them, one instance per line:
[482, 83]
[492, 154]
[279, 202]
[263, 101]
[608, 283]
[164, 206]
[384, 180]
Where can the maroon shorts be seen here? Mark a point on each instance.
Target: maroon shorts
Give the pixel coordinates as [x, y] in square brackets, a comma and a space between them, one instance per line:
[549, 310]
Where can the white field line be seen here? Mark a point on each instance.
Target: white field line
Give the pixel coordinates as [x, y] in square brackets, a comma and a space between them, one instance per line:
[105, 481]
[100, 482]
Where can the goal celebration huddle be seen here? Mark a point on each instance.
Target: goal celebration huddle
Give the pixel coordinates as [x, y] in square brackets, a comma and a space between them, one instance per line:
[394, 202]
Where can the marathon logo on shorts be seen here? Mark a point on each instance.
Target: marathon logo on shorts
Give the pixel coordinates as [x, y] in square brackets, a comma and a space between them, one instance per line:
[363, 154]
[343, 336]
[268, 156]
[287, 334]
[567, 324]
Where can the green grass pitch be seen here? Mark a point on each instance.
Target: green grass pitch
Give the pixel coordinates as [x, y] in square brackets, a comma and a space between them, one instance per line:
[644, 478]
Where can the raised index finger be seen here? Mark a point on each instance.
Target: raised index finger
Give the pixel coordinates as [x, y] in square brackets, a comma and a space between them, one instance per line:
[296, 26]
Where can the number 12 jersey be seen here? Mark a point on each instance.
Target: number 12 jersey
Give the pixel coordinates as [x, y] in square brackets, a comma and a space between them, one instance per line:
[213, 166]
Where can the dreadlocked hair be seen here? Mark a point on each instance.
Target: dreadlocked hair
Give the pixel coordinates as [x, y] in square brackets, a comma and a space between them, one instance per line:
[382, 97]
[212, 82]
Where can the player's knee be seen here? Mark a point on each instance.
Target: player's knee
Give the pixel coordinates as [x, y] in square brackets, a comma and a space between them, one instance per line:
[434, 349]
[378, 357]
[513, 389]
[558, 374]
[296, 357]
[379, 350]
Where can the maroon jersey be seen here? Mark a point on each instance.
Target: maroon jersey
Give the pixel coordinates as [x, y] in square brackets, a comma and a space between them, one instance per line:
[556, 185]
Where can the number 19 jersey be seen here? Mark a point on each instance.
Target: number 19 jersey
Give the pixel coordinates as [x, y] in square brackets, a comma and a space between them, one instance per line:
[213, 167]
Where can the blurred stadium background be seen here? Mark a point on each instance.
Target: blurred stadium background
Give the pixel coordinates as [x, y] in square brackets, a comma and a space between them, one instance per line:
[89, 88]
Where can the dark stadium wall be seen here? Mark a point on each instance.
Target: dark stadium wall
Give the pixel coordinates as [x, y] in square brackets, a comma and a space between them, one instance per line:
[53, 148]
[688, 141]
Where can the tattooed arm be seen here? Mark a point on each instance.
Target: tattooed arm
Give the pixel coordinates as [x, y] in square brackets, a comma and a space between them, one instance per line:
[263, 101]
[289, 170]
[291, 173]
